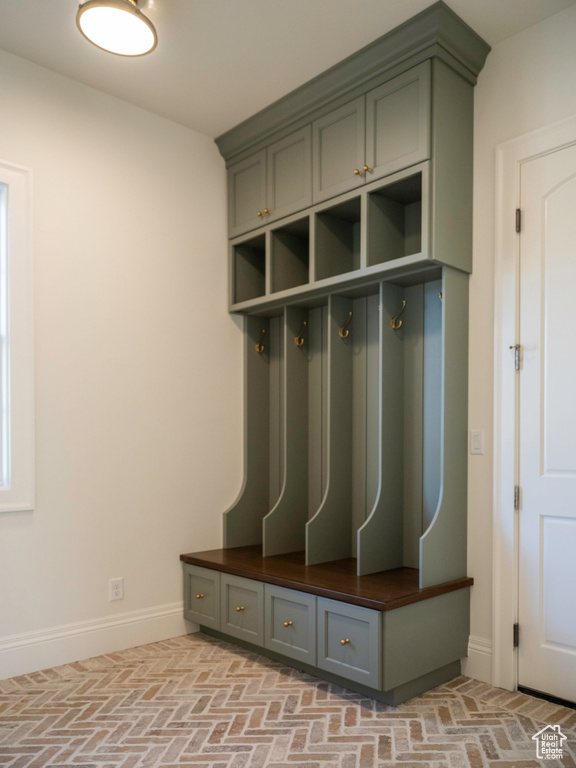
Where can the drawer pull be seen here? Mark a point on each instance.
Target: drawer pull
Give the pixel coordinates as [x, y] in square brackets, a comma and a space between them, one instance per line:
[239, 607]
[199, 597]
[344, 642]
[287, 623]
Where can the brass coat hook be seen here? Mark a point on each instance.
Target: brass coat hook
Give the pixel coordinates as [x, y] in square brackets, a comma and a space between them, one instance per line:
[344, 331]
[259, 347]
[395, 322]
[299, 340]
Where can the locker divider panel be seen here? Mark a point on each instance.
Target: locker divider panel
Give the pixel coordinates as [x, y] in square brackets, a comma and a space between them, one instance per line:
[443, 545]
[317, 406]
[276, 398]
[243, 521]
[380, 537]
[413, 340]
[284, 525]
[432, 416]
[359, 331]
[328, 532]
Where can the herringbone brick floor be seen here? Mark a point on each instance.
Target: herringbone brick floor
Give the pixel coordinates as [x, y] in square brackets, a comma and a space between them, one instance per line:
[197, 702]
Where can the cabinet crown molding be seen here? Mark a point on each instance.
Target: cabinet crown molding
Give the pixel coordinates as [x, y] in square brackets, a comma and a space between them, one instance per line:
[435, 32]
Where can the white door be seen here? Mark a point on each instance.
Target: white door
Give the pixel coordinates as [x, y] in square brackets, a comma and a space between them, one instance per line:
[547, 427]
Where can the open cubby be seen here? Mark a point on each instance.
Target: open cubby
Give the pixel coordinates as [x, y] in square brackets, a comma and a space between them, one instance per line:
[338, 239]
[249, 265]
[395, 220]
[290, 247]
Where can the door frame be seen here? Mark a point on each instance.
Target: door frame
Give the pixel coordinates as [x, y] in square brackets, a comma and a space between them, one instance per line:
[509, 159]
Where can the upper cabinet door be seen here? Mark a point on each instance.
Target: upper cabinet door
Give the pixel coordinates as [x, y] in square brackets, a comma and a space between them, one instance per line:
[247, 194]
[338, 150]
[398, 122]
[289, 186]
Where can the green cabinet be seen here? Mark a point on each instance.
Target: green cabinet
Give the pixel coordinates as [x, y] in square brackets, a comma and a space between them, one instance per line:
[339, 150]
[290, 623]
[202, 596]
[374, 135]
[349, 641]
[246, 194]
[242, 608]
[271, 183]
[398, 122]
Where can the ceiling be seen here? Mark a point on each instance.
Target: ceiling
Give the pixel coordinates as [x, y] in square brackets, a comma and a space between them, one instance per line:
[220, 61]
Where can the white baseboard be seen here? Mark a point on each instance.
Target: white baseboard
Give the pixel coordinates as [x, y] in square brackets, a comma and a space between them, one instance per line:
[33, 651]
[479, 662]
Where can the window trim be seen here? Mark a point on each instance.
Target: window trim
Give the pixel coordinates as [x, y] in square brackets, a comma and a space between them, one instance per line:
[19, 494]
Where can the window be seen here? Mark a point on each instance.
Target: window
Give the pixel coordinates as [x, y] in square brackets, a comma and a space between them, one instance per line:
[16, 341]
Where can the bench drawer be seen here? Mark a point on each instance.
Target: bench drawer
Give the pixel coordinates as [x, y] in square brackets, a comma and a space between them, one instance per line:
[290, 623]
[349, 641]
[202, 596]
[242, 608]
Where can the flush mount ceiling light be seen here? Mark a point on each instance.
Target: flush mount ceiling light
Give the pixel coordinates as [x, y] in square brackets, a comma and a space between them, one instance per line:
[117, 26]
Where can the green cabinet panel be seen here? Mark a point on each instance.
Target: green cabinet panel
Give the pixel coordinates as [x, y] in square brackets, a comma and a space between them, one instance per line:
[246, 194]
[290, 623]
[289, 174]
[338, 150]
[349, 641]
[425, 636]
[242, 608]
[398, 122]
[374, 135]
[271, 183]
[202, 596]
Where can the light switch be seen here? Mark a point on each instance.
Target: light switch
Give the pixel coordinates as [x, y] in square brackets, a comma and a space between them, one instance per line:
[477, 441]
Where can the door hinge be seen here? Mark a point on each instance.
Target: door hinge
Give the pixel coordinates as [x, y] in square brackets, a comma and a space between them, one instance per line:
[516, 497]
[516, 635]
[518, 219]
[516, 348]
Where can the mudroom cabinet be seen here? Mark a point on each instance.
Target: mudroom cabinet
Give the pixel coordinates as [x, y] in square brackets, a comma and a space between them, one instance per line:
[345, 552]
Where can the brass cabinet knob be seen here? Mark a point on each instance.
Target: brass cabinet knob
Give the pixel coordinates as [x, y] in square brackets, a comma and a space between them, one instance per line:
[344, 642]
[239, 607]
[267, 212]
[259, 213]
[287, 623]
[367, 169]
[199, 597]
[358, 172]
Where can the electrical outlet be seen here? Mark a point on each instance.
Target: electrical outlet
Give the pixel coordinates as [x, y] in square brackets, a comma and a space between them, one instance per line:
[116, 588]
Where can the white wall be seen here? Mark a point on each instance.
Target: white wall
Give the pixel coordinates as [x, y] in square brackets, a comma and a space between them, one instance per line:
[528, 82]
[138, 370]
